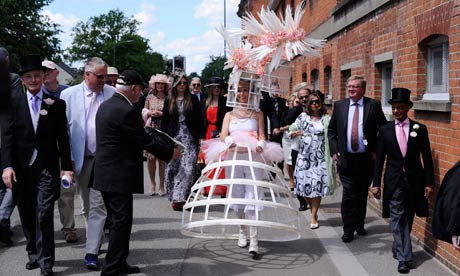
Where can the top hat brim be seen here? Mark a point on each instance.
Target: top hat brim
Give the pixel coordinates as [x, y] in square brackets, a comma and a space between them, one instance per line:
[410, 103]
[22, 71]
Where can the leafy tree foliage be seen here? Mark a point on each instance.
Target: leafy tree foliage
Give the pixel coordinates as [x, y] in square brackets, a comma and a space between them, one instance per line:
[25, 31]
[215, 68]
[113, 38]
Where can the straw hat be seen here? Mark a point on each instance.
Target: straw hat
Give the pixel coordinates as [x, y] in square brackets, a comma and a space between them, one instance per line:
[160, 78]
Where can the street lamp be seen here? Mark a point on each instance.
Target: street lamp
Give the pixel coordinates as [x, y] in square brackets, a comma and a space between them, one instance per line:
[115, 47]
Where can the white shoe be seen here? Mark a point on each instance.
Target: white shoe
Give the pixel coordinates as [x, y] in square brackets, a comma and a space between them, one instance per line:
[243, 237]
[253, 247]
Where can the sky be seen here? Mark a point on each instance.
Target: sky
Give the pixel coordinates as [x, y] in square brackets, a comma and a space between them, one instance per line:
[173, 27]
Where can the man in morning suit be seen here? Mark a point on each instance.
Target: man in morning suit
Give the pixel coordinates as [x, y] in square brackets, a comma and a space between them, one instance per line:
[118, 171]
[35, 153]
[352, 137]
[83, 101]
[408, 183]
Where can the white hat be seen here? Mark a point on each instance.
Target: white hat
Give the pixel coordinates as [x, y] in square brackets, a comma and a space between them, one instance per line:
[49, 64]
[112, 71]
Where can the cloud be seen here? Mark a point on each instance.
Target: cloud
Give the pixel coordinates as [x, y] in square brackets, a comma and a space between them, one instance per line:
[213, 11]
[66, 23]
[146, 18]
[197, 50]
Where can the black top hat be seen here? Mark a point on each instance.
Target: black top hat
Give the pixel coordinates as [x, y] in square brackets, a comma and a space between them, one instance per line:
[130, 77]
[214, 81]
[30, 63]
[400, 95]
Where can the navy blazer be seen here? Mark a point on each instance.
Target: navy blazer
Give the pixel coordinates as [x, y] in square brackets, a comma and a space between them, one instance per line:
[120, 140]
[373, 118]
[418, 176]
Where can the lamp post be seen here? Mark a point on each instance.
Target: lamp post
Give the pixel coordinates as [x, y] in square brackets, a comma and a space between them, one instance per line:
[115, 48]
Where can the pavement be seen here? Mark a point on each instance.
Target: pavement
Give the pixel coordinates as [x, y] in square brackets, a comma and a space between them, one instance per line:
[158, 248]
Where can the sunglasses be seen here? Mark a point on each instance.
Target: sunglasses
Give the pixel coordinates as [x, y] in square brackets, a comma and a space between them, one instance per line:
[302, 97]
[182, 83]
[314, 102]
[196, 85]
[99, 77]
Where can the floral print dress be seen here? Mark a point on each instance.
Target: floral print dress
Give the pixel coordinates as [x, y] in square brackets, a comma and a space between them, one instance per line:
[310, 173]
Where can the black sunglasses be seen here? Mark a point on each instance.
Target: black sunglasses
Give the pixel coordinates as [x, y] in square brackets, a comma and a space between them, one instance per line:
[302, 97]
[182, 82]
[99, 77]
[315, 102]
[196, 84]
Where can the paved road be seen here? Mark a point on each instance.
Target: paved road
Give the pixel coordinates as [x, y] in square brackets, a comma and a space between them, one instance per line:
[158, 247]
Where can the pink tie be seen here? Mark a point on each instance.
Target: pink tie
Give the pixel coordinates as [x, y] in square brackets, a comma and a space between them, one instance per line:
[354, 129]
[401, 136]
[91, 132]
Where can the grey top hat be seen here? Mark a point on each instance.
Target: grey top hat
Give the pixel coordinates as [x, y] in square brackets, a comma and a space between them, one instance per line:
[400, 95]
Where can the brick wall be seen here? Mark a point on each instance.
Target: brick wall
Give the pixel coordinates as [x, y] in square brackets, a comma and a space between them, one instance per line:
[400, 28]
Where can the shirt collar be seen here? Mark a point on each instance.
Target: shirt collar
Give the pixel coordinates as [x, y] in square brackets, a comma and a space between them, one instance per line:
[360, 102]
[405, 122]
[39, 95]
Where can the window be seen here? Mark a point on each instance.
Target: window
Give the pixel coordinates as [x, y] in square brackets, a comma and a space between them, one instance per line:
[328, 81]
[437, 74]
[315, 79]
[345, 75]
[304, 77]
[387, 80]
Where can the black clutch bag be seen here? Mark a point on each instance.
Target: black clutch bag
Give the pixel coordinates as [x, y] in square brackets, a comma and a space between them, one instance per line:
[159, 137]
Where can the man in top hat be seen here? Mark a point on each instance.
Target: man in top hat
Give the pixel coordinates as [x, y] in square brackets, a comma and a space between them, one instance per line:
[119, 173]
[408, 184]
[35, 154]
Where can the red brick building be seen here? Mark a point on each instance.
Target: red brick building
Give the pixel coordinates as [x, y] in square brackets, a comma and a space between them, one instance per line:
[393, 43]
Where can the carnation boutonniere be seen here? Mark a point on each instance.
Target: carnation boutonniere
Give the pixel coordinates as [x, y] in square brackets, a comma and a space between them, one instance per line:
[415, 127]
[49, 102]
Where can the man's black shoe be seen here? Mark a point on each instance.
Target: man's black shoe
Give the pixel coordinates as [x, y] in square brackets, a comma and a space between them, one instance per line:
[361, 231]
[402, 268]
[31, 265]
[347, 237]
[5, 236]
[128, 269]
[47, 272]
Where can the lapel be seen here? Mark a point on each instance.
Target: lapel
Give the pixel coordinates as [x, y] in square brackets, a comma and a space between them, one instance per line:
[410, 140]
[42, 118]
[366, 110]
[344, 110]
[394, 139]
[25, 112]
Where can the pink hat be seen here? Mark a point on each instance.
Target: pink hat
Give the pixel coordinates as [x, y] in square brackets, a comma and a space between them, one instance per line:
[160, 78]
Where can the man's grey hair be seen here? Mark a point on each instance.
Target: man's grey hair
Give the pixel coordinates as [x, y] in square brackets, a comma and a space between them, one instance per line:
[93, 63]
[122, 87]
[196, 78]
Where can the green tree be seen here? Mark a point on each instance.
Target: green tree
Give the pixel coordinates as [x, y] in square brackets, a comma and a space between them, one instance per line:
[25, 31]
[113, 38]
[215, 68]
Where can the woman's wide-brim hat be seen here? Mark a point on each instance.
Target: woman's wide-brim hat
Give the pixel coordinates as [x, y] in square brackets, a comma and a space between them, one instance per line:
[31, 63]
[400, 95]
[177, 77]
[160, 78]
[214, 81]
